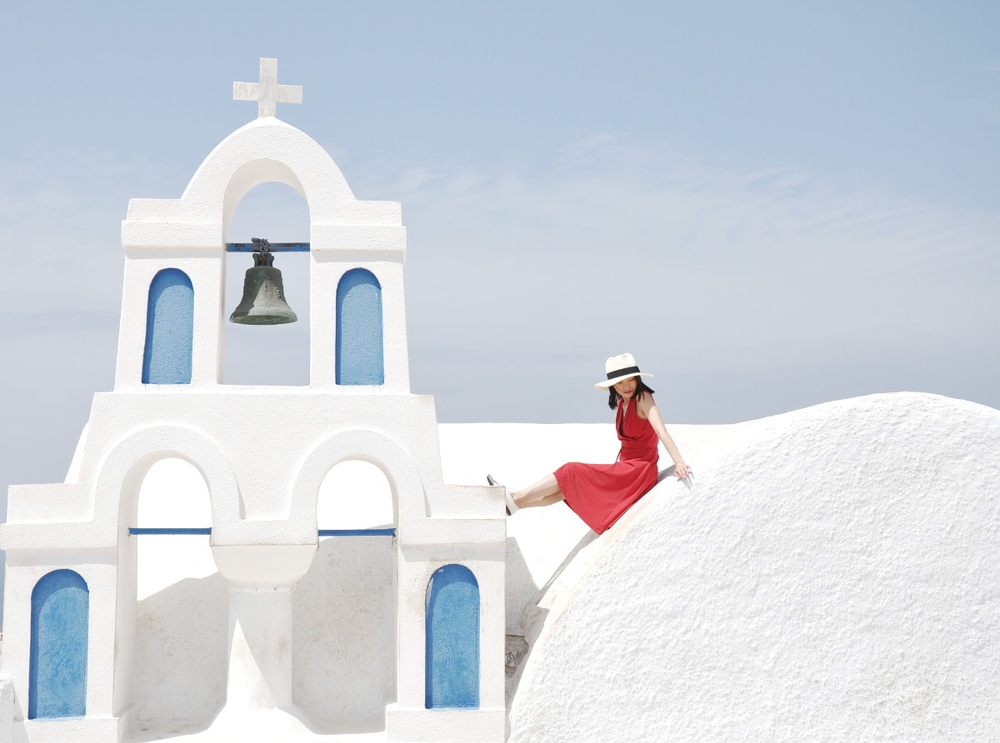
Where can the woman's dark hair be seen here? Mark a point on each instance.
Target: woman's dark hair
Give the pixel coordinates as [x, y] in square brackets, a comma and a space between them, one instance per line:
[640, 388]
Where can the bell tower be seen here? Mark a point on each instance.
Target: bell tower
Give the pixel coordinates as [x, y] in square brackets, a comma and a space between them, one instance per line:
[263, 453]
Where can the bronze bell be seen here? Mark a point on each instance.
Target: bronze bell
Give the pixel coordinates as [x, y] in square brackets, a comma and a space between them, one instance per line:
[263, 292]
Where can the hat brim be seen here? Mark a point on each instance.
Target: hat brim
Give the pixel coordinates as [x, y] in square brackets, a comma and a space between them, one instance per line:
[607, 384]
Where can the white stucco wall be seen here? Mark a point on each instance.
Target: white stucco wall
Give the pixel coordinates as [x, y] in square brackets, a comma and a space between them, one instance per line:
[830, 577]
[343, 608]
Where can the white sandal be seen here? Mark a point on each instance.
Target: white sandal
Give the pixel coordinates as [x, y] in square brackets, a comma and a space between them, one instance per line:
[512, 507]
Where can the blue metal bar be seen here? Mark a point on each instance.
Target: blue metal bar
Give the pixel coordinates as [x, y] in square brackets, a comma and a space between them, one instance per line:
[275, 247]
[135, 531]
[357, 532]
[139, 531]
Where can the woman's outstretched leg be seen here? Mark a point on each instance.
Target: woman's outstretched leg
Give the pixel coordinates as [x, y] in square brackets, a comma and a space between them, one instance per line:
[545, 492]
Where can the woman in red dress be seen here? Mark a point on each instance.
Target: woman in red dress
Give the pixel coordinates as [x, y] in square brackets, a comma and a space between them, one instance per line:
[601, 493]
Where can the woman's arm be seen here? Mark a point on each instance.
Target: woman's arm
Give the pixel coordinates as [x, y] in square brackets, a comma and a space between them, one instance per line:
[651, 413]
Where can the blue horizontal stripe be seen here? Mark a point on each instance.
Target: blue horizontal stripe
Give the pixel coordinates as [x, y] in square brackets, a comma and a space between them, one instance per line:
[275, 247]
[357, 532]
[135, 530]
[139, 531]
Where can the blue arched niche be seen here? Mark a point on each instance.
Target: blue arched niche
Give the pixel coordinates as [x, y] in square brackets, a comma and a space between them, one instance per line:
[360, 357]
[57, 676]
[452, 662]
[166, 358]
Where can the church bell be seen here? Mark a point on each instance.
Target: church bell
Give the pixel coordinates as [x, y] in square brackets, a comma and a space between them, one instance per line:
[263, 292]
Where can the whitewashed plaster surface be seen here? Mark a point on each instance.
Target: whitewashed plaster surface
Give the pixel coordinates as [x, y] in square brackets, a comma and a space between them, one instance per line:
[342, 607]
[831, 576]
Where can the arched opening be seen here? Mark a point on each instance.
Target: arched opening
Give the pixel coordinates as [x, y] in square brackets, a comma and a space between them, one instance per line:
[354, 495]
[173, 498]
[60, 616]
[452, 650]
[360, 352]
[182, 602]
[344, 610]
[268, 354]
[166, 357]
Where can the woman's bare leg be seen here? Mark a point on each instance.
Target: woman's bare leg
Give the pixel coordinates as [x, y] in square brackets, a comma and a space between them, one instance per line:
[551, 500]
[545, 492]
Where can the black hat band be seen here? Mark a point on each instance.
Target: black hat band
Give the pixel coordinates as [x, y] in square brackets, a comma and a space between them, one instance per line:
[623, 372]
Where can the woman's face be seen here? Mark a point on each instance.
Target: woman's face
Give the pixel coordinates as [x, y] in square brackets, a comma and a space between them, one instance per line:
[626, 388]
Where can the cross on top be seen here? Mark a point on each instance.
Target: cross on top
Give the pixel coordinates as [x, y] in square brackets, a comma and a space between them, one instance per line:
[267, 92]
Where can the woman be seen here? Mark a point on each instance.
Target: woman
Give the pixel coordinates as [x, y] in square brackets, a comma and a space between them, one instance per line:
[601, 493]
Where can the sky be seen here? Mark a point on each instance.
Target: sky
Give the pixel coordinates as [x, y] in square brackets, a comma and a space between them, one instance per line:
[770, 204]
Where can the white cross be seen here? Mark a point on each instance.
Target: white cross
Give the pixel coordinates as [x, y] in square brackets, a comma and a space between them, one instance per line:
[267, 92]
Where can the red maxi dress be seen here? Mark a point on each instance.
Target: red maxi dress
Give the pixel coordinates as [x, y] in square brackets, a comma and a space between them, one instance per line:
[601, 493]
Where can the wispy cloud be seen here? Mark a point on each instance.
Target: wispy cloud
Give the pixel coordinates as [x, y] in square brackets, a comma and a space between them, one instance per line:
[698, 266]
[60, 215]
[56, 321]
[651, 247]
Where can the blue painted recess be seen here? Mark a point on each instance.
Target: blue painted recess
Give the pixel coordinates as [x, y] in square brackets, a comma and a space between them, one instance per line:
[57, 675]
[169, 329]
[452, 616]
[360, 356]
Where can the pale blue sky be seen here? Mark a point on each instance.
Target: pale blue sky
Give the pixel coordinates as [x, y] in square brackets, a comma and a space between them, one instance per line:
[771, 204]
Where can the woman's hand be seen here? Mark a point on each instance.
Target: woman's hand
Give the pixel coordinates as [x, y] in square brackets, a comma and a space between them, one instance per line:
[682, 471]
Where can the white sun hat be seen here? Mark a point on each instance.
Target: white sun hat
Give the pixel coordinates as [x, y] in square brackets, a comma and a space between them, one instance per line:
[619, 368]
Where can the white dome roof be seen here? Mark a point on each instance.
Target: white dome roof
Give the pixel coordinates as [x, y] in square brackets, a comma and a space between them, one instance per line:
[831, 576]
